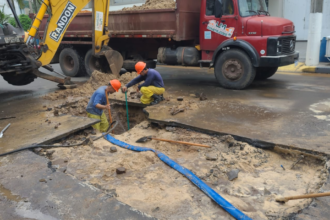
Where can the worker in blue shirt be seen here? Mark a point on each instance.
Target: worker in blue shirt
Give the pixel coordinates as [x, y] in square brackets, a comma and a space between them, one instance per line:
[98, 103]
[153, 87]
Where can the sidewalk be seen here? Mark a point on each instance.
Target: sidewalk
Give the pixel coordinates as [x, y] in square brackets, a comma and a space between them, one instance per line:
[301, 66]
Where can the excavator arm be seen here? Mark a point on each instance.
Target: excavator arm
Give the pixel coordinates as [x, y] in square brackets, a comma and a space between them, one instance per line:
[62, 14]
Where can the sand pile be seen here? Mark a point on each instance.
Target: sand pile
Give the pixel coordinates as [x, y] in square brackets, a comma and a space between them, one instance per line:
[152, 187]
[153, 4]
[87, 89]
[74, 101]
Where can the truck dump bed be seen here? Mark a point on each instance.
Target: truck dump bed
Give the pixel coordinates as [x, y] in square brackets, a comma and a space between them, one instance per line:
[180, 24]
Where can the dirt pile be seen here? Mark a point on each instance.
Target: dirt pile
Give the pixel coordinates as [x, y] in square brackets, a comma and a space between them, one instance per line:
[152, 187]
[153, 4]
[74, 101]
[87, 89]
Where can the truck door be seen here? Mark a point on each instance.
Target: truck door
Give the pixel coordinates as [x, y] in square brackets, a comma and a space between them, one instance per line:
[216, 30]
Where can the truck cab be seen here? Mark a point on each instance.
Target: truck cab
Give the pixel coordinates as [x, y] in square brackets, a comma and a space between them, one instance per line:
[243, 42]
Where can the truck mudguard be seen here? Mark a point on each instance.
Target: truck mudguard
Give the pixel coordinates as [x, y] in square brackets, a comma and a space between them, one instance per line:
[240, 44]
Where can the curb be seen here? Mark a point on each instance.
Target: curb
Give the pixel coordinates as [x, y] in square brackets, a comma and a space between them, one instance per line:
[302, 68]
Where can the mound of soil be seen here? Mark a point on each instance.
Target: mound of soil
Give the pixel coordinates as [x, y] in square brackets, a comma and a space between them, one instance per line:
[153, 4]
[74, 101]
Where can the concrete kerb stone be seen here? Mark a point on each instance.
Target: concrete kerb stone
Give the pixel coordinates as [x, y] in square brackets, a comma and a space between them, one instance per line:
[302, 68]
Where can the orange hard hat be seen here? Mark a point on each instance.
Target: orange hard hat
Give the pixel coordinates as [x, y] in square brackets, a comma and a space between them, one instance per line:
[116, 85]
[139, 67]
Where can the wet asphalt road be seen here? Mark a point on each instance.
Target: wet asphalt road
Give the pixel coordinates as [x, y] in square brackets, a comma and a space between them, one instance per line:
[37, 88]
[289, 108]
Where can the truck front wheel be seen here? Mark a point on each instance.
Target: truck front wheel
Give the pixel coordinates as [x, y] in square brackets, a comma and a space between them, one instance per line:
[265, 72]
[234, 70]
[72, 64]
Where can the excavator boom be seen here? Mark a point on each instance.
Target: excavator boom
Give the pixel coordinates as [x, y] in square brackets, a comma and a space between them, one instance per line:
[62, 14]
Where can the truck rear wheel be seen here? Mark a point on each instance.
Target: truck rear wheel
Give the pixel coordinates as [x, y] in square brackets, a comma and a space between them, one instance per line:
[93, 63]
[72, 64]
[129, 65]
[265, 72]
[19, 79]
[234, 70]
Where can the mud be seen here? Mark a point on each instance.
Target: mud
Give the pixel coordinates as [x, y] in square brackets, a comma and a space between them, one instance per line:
[152, 187]
[153, 4]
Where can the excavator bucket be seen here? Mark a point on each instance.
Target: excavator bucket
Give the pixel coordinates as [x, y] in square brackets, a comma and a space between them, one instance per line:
[115, 60]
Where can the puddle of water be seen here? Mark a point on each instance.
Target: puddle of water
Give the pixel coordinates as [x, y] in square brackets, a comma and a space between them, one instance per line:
[9, 195]
[322, 109]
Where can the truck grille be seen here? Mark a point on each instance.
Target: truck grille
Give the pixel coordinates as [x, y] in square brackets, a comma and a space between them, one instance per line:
[287, 45]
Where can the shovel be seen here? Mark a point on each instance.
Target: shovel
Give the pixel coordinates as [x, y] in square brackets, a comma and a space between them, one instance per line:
[286, 199]
[1, 134]
[149, 138]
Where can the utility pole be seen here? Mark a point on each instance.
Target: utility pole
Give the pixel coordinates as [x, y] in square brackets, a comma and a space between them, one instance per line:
[314, 33]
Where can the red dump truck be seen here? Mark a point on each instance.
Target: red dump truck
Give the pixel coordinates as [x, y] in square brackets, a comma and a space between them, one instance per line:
[238, 37]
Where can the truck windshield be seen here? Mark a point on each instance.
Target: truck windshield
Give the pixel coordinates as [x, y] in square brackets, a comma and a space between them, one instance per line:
[252, 7]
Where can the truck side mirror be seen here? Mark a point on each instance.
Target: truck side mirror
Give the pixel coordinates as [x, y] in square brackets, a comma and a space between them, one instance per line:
[218, 8]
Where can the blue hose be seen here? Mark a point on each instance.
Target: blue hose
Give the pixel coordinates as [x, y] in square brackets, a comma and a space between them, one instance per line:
[237, 214]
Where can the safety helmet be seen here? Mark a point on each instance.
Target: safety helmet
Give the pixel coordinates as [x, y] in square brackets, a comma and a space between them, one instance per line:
[139, 67]
[116, 85]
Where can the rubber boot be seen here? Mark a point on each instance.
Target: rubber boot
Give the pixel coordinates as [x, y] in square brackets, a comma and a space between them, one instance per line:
[157, 99]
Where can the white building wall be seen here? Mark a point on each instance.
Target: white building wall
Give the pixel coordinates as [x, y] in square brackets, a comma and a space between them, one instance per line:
[298, 11]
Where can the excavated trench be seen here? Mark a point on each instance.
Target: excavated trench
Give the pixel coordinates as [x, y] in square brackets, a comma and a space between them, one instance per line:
[154, 188]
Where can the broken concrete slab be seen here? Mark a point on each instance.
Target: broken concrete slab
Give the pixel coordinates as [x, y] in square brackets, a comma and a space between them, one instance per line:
[211, 156]
[113, 149]
[40, 190]
[34, 130]
[233, 174]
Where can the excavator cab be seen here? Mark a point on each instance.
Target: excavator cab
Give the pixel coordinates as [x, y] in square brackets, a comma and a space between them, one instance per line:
[15, 65]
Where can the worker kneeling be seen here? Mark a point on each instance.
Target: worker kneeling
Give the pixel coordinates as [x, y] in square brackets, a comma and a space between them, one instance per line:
[153, 87]
[98, 103]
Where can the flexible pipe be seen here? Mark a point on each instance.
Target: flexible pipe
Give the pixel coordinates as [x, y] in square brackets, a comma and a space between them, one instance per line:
[237, 214]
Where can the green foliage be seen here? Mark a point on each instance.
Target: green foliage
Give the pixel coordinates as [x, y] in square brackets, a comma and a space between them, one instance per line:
[25, 21]
[4, 19]
[12, 21]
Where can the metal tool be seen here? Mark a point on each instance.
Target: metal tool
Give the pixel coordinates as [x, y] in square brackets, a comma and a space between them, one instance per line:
[109, 111]
[1, 134]
[286, 199]
[149, 138]
[127, 110]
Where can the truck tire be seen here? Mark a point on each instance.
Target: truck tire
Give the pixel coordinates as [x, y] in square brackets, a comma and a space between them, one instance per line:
[19, 79]
[129, 65]
[265, 72]
[234, 70]
[93, 63]
[72, 64]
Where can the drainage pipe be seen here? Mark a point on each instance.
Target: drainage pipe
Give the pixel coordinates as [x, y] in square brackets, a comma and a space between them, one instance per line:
[237, 214]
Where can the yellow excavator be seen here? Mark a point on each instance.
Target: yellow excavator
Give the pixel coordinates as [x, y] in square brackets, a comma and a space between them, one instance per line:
[19, 63]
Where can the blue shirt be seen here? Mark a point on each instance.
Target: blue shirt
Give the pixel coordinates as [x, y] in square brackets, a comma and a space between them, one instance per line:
[152, 78]
[97, 98]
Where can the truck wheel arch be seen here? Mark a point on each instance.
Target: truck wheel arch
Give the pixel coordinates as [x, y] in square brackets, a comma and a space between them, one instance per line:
[238, 44]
